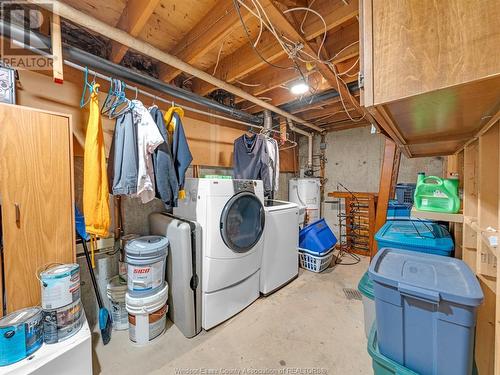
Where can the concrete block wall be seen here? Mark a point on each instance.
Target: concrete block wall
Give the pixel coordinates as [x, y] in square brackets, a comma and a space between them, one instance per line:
[354, 158]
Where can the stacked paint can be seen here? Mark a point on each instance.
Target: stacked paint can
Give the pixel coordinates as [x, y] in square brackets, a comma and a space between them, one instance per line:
[147, 290]
[21, 334]
[63, 314]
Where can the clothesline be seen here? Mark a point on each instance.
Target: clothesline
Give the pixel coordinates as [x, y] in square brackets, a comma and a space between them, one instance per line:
[159, 98]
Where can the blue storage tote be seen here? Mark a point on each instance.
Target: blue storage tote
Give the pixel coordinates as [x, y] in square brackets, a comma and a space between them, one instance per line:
[405, 193]
[416, 235]
[425, 311]
[396, 209]
[317, 238]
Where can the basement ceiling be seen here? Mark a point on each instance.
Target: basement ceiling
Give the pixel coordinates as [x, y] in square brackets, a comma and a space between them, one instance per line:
[213, 36]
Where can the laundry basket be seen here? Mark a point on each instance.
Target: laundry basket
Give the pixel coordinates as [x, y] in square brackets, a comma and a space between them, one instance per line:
[315, 263]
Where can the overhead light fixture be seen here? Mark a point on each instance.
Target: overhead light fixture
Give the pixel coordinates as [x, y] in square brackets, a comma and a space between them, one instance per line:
[299, 87]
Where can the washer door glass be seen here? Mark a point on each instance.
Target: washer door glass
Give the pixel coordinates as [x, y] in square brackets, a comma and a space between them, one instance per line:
[242, 222]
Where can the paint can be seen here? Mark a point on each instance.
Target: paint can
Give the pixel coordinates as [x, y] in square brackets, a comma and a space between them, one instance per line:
[116, 290]
[62, 323]
[60, 286]
[146, 259]
[21, 334]
[147, 316]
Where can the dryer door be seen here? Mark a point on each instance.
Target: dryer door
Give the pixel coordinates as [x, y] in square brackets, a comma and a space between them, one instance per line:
[242, 222]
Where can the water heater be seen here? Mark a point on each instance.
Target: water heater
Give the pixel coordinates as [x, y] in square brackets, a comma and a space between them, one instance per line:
[306, 192]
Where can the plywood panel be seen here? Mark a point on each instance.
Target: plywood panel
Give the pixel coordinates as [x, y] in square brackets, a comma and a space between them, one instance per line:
[485, 332]
[108, 11]
[487, 197]
[37, 198]
[172, 19]
[425, 45]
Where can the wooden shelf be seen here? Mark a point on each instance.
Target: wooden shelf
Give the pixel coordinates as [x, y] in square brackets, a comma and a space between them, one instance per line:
[439, 216]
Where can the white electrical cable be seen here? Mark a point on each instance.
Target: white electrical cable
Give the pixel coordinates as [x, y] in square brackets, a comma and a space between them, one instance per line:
[218, 56]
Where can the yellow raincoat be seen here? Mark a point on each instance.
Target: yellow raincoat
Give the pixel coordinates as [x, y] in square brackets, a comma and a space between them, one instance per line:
[95, 179]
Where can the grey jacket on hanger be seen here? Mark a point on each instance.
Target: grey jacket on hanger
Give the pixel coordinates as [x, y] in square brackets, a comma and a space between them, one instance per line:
[251, 160]
[167, 186]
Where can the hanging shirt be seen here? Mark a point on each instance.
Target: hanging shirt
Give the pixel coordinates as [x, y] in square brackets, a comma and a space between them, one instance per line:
[167, 186]
[148, 139]
[251, 160]
[274, 162]
[95, 179]
[181, 153]
[123, 159]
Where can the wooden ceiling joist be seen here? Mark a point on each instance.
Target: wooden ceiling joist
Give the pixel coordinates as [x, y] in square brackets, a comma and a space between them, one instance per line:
[219, 22]
[149, 50]
[245, 59]
[282, 23]
[133, 19]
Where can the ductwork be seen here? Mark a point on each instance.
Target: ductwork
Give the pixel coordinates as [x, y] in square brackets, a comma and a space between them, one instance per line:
[268, 119]
[309, 141]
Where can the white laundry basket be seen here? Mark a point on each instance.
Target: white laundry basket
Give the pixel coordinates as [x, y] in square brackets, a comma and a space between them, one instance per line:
[315, 263]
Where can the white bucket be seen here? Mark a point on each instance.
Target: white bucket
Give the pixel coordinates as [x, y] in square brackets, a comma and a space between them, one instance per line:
[147, 316]
[116, 290]
[146, 259]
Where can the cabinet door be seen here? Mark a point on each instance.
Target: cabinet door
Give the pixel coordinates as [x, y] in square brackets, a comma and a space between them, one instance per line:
[36, 191]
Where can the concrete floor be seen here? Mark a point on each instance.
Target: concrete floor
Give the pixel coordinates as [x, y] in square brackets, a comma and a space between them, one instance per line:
[307, 324]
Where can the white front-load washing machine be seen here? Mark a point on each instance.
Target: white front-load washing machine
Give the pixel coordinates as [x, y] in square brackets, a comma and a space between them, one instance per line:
[232, 218]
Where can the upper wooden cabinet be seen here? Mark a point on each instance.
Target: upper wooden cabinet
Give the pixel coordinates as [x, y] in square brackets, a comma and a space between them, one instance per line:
[431, 70]
[36, 195]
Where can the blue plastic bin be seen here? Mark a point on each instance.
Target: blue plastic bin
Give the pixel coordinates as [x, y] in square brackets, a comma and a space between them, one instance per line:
[317, 238]
[405, 192]
[416, 235]
[425, 311]
[398, 210]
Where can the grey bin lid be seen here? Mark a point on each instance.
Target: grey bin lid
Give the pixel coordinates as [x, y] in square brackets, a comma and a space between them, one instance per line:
[147, 246]
[426, 276]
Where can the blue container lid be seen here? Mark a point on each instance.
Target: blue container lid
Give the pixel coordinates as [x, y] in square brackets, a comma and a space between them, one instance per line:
[419, 233]
[426, 276]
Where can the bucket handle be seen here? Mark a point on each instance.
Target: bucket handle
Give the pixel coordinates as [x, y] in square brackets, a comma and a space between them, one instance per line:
[438, 181]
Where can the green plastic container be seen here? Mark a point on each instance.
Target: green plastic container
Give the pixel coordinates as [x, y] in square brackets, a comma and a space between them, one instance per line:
[365, 287]
[381, 364]
[436, 194]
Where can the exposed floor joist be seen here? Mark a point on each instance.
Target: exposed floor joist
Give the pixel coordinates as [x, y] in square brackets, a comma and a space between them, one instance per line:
[133, 19]
[245, 60]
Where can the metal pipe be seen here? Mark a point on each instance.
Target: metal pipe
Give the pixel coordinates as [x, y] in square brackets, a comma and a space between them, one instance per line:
[75, 55]
[268, 119]
[327, 95]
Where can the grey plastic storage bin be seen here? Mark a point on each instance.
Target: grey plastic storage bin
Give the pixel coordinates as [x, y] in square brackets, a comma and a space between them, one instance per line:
[425, 311]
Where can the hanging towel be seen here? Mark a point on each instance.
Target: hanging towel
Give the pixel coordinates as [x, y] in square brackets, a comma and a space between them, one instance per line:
[95, 180]
[123, 159]
[180, 149]
[167, 186]
[274, 162]
[251, 160]
[148, 139]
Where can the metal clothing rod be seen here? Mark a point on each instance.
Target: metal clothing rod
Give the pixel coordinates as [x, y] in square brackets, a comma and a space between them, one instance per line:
[72, 54]
[159, 98]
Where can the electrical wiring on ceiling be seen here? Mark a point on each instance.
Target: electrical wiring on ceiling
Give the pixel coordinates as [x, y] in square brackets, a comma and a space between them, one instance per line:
[293, 49]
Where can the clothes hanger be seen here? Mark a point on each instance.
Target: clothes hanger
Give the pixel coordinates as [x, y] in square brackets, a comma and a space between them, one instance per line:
[87, 86]
[118, 107]
[110, 98]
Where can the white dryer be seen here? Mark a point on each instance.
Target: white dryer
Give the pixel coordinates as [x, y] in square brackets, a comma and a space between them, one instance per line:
[280, 259]
[231, 215]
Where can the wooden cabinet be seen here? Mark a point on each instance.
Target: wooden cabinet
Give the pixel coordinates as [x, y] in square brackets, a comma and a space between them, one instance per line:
[36, 191]
[431, 70]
